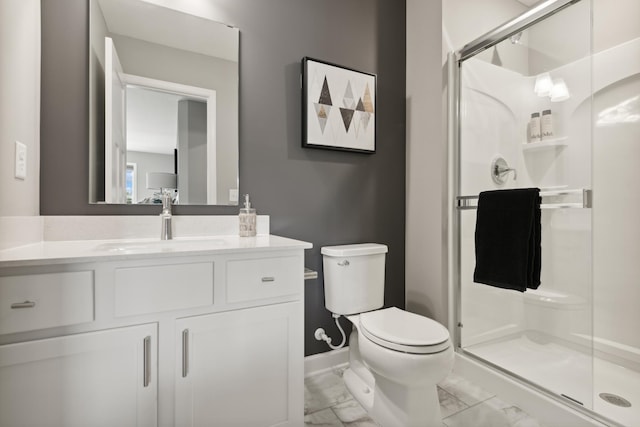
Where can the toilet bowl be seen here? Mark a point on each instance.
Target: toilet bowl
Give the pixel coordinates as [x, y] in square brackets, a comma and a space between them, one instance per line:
[396, 358]
[400, 358]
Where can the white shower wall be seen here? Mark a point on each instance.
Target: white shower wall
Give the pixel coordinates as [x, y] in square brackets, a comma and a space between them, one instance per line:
[496, 106]
[599, 267]
[616, 230]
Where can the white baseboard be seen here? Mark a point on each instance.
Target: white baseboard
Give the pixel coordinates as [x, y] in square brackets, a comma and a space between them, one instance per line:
[323, 362]
[549, 411]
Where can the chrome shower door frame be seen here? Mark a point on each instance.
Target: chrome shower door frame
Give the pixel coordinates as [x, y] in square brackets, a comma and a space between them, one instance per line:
[454, 60]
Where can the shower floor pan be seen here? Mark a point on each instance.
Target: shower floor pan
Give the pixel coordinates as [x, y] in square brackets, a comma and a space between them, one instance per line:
[566, 370]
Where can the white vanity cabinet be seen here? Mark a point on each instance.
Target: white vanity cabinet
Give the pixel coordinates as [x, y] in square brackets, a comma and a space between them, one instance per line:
[240, 368]
[208, 337]
[104, 378]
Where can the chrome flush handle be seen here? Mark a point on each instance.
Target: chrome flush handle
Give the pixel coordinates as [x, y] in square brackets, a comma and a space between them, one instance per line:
[343, 263]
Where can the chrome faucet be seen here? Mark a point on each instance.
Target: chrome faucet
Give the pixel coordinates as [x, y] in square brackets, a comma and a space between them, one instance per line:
[499, 170]
[165, 216]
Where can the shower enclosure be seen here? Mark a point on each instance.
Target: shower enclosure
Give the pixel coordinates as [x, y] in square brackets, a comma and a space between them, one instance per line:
[576, 64]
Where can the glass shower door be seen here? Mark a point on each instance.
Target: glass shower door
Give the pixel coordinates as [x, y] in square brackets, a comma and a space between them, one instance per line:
[616, 229]
[528, 101]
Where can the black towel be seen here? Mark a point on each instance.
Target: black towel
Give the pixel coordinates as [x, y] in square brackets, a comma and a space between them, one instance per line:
[508, 239]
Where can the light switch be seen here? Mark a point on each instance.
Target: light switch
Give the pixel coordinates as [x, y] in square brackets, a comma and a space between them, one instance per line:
[21, 160]
[233, 195]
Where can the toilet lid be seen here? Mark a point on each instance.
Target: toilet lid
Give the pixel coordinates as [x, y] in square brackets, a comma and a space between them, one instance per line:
[400, 330]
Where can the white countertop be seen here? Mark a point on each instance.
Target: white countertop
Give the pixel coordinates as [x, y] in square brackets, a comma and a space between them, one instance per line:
[75, 251]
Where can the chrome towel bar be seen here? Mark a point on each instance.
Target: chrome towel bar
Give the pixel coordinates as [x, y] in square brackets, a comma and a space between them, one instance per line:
[579, 199]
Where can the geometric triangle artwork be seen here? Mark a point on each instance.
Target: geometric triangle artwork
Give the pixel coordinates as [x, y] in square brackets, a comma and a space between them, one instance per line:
[325, 94]
[364, 118]
[347, 99]
[347, 115]
[356, 121]
[368, 104]
[360, 106]
[322, 112]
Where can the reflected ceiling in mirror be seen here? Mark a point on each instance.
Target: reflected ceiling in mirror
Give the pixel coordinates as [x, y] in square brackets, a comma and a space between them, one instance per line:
[163, 99]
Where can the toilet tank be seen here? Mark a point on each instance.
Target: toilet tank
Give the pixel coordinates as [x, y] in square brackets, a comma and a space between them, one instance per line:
[353, 277]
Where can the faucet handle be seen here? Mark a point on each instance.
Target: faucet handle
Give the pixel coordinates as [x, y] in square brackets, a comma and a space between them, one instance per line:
[499, 168]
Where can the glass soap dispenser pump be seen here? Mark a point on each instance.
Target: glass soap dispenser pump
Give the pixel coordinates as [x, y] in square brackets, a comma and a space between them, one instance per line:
[247, 218]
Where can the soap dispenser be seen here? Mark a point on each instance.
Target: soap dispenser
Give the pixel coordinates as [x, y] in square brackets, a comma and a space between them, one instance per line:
[247, 218]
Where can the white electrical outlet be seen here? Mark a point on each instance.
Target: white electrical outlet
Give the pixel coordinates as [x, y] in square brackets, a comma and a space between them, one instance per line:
[21, 160]
[233, 195]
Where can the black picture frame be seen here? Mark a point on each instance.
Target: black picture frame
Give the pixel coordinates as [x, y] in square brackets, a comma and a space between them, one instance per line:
[338, 107]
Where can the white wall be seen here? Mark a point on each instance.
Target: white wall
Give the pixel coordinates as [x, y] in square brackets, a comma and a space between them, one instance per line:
[19, 105]
[425, 279]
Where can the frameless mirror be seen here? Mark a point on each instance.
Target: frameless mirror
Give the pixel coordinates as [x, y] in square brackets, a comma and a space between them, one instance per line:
[163, 95]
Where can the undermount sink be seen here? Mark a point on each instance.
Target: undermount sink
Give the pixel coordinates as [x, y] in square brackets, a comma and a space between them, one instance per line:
[143, 245]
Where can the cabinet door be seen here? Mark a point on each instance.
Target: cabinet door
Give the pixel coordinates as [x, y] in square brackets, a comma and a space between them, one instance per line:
[242, 368]
[105, 378]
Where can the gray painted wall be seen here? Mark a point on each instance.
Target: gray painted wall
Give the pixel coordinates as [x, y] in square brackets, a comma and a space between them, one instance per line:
[324, 197]
[192, 151]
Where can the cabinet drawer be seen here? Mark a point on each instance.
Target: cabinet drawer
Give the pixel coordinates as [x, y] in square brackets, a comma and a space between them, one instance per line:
[141, 290]
[252, 279]
[38, 301]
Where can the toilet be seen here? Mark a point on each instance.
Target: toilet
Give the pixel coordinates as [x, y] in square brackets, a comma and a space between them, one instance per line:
[396, 358]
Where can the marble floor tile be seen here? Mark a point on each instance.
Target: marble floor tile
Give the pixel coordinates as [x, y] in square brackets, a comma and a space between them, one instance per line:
[363, 423]
[463, 404]
[353, 415]
[449, 404]
[324, 391]
[492, 413]
[323, 418]
[464, 390]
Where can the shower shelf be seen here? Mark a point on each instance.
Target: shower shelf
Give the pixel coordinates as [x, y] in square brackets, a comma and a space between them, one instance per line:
[579, 199]
[546, 144]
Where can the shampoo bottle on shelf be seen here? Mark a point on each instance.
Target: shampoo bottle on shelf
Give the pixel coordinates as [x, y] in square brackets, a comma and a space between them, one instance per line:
[247, 219]
[546, 125]
[534, 128]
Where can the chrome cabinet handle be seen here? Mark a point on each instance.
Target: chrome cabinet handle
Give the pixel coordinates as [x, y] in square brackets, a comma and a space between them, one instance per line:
[146, 356]
[268, 279]
[185, 353]
[26, 304]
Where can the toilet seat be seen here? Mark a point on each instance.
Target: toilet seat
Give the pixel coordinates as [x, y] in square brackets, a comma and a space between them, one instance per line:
[402, 331]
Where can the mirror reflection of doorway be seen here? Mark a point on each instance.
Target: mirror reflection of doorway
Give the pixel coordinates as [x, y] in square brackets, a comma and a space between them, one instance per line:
[161, 127]
[167, 132]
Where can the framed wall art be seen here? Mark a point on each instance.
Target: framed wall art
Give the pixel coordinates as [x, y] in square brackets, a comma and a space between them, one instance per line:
[338, 107]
